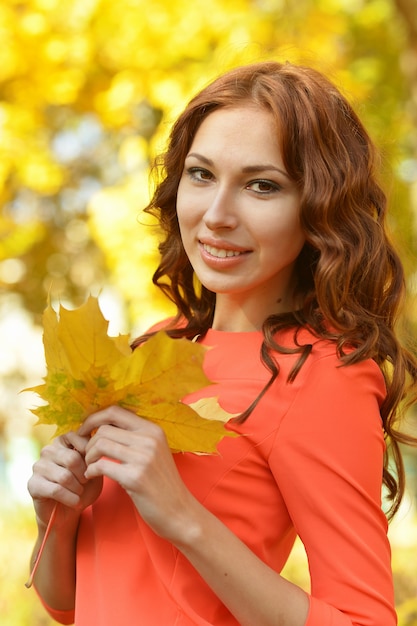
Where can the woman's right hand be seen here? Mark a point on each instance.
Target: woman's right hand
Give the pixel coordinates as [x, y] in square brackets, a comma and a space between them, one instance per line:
[58, 476]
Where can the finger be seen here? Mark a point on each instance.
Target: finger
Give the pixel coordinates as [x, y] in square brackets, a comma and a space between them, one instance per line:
[58, 458]
[70, 476]
[113, 415]
[110, 468]
[74, 441]
[115, 444]
[110, 433]
[42, 489]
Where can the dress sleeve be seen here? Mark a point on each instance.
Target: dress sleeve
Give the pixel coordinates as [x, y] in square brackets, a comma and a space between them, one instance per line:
[327, 460]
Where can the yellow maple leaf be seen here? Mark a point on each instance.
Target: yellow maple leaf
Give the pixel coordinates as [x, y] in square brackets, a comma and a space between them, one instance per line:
[87, 370]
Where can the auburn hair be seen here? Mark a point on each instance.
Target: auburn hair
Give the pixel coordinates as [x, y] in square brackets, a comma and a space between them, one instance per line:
[349, 280]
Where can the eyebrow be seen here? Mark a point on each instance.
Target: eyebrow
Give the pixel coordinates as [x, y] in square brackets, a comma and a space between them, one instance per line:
[248, 169]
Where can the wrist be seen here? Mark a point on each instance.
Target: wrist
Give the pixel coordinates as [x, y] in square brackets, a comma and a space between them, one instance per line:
[192, 529]
[61, 521]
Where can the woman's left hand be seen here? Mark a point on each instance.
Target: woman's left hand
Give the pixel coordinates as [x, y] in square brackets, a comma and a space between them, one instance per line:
[134, 452]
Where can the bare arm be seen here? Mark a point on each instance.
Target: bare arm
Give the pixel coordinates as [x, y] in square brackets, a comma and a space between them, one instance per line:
[58, 477]
[55, 574]
[252, 591]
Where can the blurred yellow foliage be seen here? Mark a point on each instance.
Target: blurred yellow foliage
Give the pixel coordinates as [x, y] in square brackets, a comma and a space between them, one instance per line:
[14, 242]
[89, 88]
[129, 240]
[106, 57]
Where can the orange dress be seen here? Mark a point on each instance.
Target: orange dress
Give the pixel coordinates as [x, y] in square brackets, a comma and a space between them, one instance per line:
[309, 464]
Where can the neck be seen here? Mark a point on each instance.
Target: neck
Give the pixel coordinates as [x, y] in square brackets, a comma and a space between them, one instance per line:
[232, 316]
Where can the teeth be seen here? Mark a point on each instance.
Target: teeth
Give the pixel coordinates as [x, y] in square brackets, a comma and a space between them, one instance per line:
[218, 252]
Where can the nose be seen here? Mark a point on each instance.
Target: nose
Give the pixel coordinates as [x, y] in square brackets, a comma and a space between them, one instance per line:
[221, 211]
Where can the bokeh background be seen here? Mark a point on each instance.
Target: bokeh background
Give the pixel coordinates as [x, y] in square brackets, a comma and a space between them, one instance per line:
[88, 90]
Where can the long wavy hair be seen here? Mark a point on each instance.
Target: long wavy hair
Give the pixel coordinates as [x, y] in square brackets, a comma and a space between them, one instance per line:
[349, 280]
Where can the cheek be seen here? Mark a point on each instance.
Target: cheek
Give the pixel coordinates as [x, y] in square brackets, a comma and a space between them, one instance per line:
[284, 243]
[286, 230]
[188, 216]
[184, 209]
[183, 222]
[186, 223]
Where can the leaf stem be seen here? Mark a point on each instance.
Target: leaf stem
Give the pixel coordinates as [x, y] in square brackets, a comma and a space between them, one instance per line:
[29, 582]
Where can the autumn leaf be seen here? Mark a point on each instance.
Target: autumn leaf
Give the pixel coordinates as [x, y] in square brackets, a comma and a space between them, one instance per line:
[87, 370]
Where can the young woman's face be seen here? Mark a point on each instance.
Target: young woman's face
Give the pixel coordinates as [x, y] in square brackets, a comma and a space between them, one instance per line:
[238, 210]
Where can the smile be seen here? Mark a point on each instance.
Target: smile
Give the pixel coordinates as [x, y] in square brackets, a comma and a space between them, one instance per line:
[220, 253]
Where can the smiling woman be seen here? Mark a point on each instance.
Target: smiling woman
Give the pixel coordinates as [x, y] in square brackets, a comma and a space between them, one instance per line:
[276, 255]
[239, 217]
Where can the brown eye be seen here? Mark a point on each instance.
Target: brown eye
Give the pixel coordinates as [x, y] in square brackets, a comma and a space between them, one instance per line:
[199, 174]
[264, 187]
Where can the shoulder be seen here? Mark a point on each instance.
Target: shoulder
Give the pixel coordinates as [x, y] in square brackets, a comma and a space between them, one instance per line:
[324, 357]
[325, 379]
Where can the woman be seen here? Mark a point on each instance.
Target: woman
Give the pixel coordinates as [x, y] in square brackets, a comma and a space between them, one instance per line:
[276, 256]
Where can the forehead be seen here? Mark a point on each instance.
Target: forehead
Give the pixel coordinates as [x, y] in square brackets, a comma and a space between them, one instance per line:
[230, 116]
[241, 128]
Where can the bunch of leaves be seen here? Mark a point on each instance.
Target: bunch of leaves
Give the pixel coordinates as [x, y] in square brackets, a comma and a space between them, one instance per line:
[87, 370]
